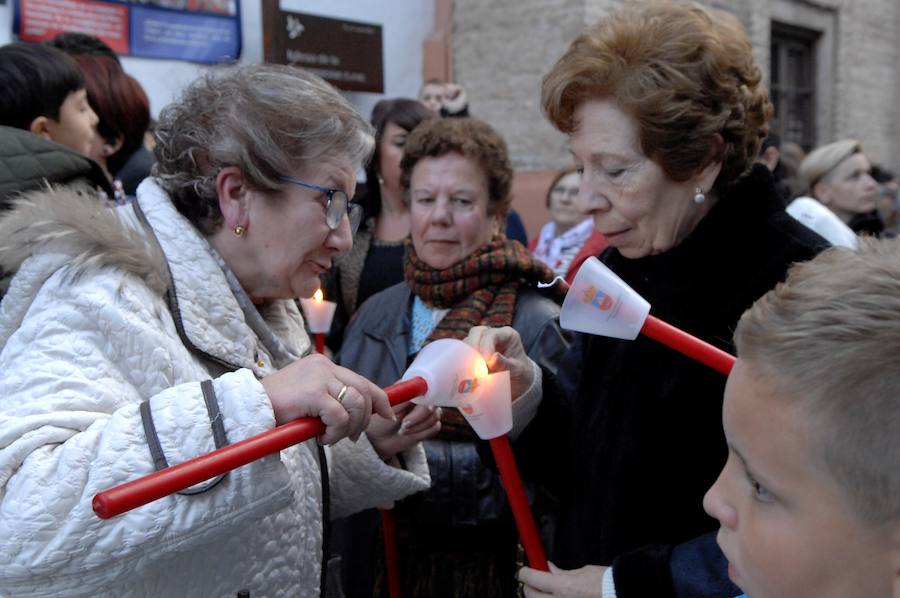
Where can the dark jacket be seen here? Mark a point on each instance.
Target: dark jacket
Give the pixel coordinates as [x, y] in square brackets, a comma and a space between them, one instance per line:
[135, 169]
[637, 426]
[28, 161]
[465, 505]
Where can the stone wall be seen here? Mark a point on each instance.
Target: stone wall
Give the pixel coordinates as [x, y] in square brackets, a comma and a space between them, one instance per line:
[502, 48]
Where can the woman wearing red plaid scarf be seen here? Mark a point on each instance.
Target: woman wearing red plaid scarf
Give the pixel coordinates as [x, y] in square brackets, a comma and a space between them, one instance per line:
[458, 538]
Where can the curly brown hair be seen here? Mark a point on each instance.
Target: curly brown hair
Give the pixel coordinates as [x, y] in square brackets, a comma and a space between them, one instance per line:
[684, 72]
[473, 139]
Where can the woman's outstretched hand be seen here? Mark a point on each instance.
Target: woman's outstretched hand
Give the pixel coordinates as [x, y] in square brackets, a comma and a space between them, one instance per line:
[502, 349]
[314, 386]
[414, 423]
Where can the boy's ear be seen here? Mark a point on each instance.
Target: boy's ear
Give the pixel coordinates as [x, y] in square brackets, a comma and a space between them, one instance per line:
[39, 127]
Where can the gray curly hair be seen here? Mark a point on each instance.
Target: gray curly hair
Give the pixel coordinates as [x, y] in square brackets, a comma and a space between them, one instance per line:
[268, 120]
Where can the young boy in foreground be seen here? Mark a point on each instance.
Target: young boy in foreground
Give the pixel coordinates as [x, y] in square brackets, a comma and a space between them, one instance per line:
[809, 499]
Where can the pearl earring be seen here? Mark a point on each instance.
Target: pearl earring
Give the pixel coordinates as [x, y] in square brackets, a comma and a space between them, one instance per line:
[239, 231]
[699, 197]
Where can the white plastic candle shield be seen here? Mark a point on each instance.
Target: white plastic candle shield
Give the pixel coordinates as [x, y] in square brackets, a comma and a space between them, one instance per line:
[486, 403]
[599, 302]
[318, 313]
[443, 364]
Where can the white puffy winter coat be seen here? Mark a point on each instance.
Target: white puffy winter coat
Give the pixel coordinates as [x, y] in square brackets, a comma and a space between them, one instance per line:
[101, 317]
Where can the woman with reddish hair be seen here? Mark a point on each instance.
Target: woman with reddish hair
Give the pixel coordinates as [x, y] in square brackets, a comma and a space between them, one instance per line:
[665, 111]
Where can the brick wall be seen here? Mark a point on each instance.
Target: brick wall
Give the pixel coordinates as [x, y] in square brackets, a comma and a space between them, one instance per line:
[502, 48]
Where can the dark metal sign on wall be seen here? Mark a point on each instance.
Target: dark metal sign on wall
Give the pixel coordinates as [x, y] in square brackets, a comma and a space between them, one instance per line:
[347, 54]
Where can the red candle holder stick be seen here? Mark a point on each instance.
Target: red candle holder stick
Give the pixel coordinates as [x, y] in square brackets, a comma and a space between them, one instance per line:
[599, 302]
[485, 402]
[164, 482]
[518, 502]
[688, 345]
[320, 342]
[318, 314]
[391, 554]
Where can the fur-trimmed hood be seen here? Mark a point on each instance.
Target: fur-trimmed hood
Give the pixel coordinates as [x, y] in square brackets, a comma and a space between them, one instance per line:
[64, 232]
[73, 222]
[115, 313]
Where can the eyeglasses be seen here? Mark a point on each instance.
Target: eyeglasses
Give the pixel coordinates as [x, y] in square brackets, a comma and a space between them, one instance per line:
[337, 205]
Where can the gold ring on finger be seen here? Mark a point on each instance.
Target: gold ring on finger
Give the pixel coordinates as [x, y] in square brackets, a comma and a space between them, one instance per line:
[340, 396]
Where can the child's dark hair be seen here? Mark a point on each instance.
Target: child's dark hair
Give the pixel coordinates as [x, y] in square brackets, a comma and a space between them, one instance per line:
[35, 80]
[74, 44]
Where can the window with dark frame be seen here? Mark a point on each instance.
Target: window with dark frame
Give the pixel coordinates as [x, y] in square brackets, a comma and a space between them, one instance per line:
[792, 83]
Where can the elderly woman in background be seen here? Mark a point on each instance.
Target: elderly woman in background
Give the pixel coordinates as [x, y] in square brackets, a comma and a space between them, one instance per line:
[460, 272]
[838, 176]
[570, 237]
[665, 112]
[149, 334]
[376, 260]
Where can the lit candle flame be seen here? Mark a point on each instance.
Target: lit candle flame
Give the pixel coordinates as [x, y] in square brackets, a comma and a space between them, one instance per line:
[317, 296]
[481, 368]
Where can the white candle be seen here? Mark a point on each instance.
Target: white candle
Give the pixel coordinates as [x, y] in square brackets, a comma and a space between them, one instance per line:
[318, 313]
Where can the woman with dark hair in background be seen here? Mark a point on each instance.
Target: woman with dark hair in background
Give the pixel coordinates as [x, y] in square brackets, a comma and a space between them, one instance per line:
[121, 105]
[376, 260]
[47, 126]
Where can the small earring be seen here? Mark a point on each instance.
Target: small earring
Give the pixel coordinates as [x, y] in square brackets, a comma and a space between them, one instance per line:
[699, 198]
[380, 180]
[239, 231]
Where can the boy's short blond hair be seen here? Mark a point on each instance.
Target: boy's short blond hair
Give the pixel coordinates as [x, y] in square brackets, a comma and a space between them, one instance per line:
[828, 338]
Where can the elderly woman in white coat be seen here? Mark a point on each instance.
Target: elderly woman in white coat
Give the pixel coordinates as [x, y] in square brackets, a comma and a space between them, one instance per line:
[142, 336]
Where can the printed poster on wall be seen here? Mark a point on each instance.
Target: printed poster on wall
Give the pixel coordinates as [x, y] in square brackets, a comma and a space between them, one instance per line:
[207, 31]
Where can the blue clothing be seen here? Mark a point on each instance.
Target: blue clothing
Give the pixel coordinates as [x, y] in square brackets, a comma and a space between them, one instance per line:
[515, 230]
